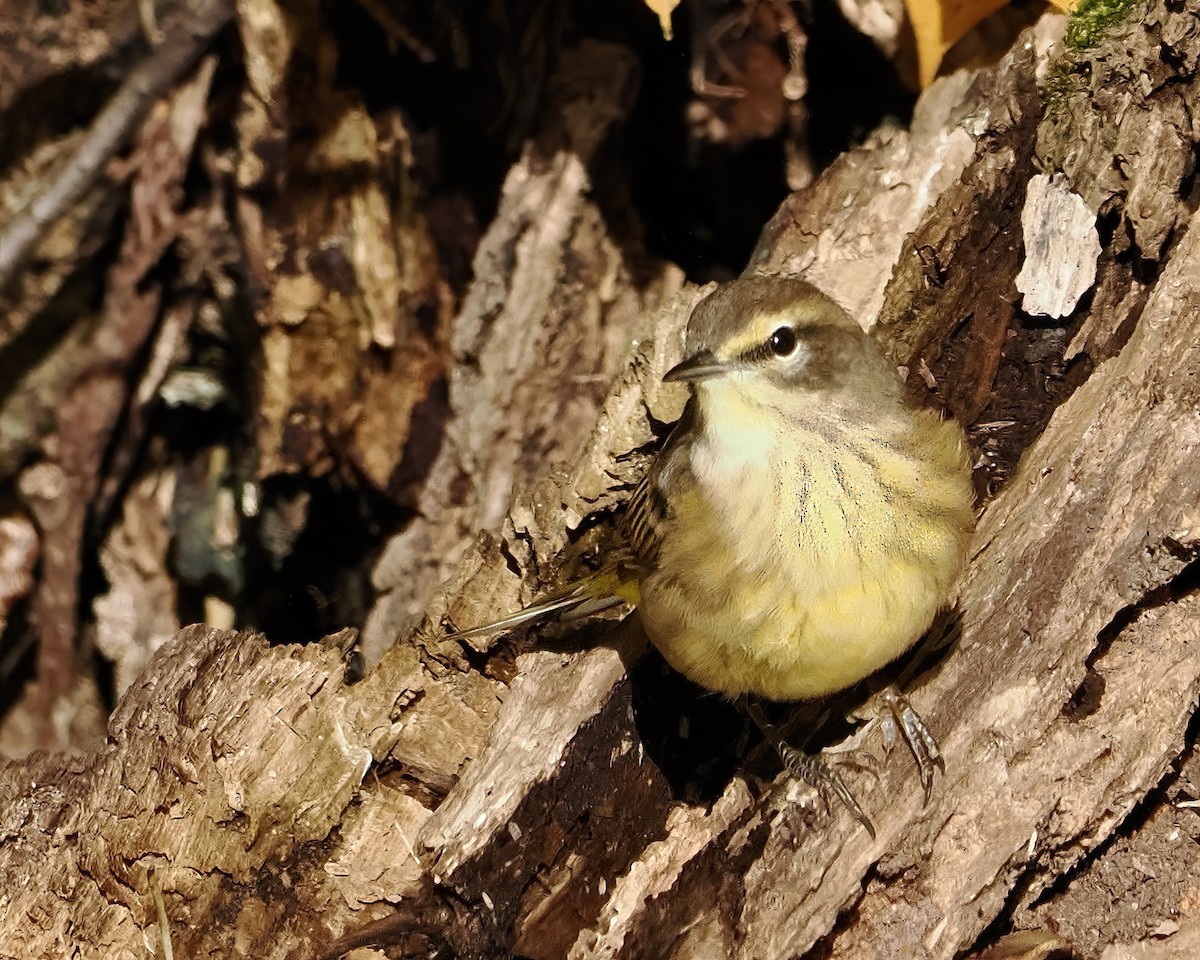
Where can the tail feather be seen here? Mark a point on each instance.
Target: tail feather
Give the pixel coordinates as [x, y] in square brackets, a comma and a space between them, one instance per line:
[533, 612]
[591, 606]
[583, 598]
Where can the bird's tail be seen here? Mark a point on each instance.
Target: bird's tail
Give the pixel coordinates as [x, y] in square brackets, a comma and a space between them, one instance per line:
[606, 588]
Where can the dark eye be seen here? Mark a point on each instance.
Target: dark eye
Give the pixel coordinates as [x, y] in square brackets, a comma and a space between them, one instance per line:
[783, 342]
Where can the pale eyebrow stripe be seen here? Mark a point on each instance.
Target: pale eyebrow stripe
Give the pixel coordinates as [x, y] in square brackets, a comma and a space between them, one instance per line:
[764, 324]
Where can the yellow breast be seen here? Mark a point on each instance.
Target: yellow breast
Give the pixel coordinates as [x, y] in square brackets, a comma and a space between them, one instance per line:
[798, 561]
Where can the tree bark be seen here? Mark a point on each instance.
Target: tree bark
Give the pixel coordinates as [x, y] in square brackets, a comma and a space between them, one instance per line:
[516, 796]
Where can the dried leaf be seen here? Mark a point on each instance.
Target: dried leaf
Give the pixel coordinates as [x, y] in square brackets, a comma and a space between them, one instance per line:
[937, 24]
[663, 8]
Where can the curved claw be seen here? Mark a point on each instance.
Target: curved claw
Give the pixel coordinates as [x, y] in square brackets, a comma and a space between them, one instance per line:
[920, 741]
[811, 769]
[814, 771]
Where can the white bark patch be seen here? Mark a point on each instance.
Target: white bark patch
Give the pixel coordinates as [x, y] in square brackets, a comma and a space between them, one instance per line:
[1061, 247]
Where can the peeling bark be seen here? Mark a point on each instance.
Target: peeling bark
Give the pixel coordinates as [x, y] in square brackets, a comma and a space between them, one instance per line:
[514, 795]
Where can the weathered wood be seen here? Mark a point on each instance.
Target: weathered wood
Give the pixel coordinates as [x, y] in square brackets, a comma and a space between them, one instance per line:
[1073, 575]
[354, 310]
[543, 329]
[191, 28]
[517, 800]
[952, 868]
[1061, 248]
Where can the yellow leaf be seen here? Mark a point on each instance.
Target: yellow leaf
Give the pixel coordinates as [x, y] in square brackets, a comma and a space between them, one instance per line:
[937, 24]
[663, 8]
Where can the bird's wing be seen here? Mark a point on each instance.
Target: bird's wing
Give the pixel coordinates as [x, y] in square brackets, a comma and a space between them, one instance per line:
[644, 515]
[649, 507]
[617, 581]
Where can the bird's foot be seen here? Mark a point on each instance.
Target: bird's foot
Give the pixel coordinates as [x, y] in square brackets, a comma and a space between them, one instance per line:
[904, 722]
[814, 769]
[823, 777]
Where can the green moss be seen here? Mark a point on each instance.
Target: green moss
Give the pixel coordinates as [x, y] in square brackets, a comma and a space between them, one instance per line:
[1059, 85]
[1091, 18]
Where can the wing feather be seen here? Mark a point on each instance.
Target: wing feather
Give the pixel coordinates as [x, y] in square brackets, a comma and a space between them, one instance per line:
[616, 582]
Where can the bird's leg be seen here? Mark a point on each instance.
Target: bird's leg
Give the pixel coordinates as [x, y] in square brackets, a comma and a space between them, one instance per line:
[919, 740]
[810, 768]
[900, 717]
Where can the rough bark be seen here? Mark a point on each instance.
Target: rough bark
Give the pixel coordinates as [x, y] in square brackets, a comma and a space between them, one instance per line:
[514, 796]
[543, 328]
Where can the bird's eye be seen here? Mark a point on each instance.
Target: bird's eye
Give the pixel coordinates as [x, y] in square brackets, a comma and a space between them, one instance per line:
[783, 342]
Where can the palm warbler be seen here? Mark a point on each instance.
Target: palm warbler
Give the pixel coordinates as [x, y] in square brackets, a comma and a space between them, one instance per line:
[804, 523]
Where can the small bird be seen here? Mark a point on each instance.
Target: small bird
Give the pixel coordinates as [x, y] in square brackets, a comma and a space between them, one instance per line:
[803, 524]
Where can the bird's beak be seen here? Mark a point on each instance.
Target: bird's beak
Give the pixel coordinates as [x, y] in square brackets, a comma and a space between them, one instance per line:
[699, 366]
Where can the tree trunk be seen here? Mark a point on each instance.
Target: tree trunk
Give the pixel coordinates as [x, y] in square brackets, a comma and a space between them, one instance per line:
[560, 795]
